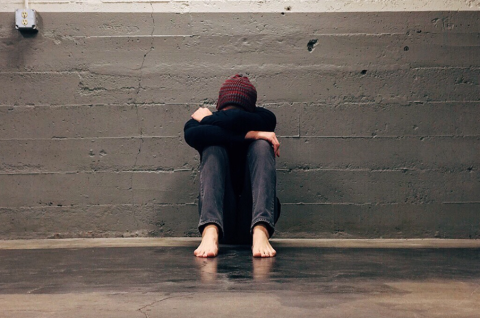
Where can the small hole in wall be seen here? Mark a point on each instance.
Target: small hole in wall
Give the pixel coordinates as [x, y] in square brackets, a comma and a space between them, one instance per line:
[288, 8]
[311, 44]
[283, 13]
[363, 72]
[406, 48]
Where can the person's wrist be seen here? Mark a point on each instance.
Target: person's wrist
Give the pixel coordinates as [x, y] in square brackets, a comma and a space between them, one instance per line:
[251, 135]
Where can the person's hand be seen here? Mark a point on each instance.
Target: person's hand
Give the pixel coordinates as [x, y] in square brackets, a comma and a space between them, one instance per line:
[268, 136]
[200, 113]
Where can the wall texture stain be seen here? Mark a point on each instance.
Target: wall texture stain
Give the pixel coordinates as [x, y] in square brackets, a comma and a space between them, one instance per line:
[378, 119]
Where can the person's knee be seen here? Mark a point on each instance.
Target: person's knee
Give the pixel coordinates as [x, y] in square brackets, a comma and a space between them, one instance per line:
[214, 153]
[214, 158]
[214, 150]
[261, 148]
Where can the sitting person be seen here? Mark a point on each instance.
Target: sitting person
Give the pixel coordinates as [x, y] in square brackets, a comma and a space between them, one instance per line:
[237, 146]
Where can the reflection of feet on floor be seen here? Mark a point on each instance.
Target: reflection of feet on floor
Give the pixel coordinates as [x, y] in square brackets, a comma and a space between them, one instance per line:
[262, 268]
[209, 245]
[261, 245]
[207, 268]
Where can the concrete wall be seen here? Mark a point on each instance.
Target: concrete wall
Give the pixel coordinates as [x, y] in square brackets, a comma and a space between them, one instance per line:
[378, 111]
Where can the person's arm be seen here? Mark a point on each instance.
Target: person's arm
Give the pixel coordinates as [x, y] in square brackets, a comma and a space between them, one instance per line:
[268, 136]
[239, 120]
[200, 136]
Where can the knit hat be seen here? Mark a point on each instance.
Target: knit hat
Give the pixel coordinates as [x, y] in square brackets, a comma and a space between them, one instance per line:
[237, 91]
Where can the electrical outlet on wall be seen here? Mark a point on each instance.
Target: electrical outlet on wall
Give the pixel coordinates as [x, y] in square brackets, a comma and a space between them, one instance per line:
[25, 19]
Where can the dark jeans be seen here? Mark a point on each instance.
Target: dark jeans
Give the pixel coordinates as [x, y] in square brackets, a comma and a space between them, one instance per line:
[237, 214]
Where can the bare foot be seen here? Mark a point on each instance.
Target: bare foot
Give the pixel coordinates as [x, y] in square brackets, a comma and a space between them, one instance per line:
[261, 245]
[209, 245]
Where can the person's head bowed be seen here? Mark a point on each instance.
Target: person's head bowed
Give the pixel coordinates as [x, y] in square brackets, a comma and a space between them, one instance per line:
[239, 92]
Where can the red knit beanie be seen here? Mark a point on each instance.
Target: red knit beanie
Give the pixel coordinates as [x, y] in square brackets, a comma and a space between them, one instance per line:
[237, 91]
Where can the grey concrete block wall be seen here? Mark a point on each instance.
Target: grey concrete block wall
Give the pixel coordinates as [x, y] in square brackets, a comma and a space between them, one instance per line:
[377, 115]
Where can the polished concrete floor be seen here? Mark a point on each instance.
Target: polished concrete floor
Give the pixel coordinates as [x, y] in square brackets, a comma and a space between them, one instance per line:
[314, 278]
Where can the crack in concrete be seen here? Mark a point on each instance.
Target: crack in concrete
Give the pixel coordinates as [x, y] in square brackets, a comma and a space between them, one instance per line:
[35, 290]
[139, 126]
[146, 54]
[152, 38]
[159, 301]
[459, 304]
[299, 126]
[135, 164]
[136, 111]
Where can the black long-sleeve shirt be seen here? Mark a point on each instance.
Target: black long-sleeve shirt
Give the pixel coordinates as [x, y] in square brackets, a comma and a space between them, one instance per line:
[227, 127]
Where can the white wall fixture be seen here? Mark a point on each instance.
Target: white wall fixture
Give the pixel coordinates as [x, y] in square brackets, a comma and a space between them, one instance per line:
[25, 19]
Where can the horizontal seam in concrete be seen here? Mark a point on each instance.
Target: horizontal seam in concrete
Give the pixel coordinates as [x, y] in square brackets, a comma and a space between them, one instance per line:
[194, 204]
[379, 204]
[385, 34]
[461, 202]
[380, 137]
[417, 103]
[93, 138]
[96, 172]
[90, 105]
[134, 36]
[337, 69]
[67, 206]
[404, 169]
[173, 170]
[242, 6]
[307, 104]
[353, 34]
[446, 67]
[179, 136]
[183, 241]
[43, 72]
[277, 104]
[373, 204]
[104, 205]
